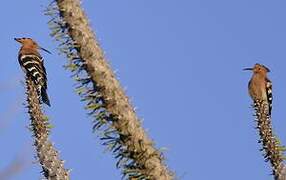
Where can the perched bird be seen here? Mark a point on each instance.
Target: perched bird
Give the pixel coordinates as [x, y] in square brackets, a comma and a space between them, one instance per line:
[259, 86]
[33, 66]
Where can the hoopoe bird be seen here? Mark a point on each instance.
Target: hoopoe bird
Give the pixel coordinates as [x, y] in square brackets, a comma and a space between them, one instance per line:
[32, 64]
[259, 86]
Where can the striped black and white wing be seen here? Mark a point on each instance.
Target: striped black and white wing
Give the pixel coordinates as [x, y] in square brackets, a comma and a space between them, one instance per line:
[269, 94]
[33, 66]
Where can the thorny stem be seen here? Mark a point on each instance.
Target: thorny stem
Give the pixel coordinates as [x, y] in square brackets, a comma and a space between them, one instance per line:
[53, 167]
[273, 151]
[114, 115]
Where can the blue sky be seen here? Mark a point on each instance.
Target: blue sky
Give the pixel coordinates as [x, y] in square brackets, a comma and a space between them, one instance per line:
[181, 65]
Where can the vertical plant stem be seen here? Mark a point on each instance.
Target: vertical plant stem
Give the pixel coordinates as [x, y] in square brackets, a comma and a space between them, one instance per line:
[53, 167]
[273, 151]
[106, 100]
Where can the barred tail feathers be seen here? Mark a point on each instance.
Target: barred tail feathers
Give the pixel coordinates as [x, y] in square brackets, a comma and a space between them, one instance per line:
[45, 97]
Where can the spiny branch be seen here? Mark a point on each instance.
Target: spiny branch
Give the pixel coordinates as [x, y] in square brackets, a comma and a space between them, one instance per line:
[273, 151]
[114, 116]
[53, 167]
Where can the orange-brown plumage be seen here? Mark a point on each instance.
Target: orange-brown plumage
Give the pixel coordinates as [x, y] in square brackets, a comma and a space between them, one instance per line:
[259, 86]
[29, 46]
[32, 64]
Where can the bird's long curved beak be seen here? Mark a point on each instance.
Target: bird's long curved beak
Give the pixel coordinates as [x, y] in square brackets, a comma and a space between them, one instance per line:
[17, 39]
[45, 50]
[248, 69]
